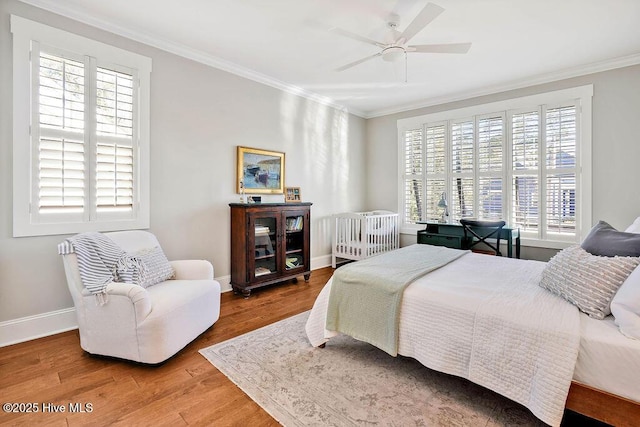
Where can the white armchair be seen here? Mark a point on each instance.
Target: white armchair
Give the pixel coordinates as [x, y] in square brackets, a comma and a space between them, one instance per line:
[146, 325]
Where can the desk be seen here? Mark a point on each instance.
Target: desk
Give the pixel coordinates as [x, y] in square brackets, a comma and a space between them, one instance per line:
[452, 236]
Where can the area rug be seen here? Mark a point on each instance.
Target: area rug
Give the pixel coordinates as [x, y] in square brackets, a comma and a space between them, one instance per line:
[351, 383]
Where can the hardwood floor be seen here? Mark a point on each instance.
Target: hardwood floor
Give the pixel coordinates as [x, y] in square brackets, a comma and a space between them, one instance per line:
[185, 390]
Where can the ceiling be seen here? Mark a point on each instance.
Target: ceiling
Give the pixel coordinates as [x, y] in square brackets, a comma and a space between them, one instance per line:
[286, 43]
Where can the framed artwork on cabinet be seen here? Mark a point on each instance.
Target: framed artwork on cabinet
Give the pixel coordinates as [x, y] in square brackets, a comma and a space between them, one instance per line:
[259, 171]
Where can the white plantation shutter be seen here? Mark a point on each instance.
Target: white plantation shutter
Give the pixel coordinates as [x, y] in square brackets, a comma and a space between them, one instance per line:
[525, 138]
[413, 176]
[59, 113]
[435, 143]
[114, 129]
[560, 143]
[114, 187]
[81, 133]
[490, 169]
[462, 169]
[61, 182]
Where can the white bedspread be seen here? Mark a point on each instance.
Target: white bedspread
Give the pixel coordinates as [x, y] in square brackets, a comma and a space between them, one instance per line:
[486, 319]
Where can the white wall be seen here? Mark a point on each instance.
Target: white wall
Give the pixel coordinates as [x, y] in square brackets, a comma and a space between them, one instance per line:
[198, 116]
[616, 147]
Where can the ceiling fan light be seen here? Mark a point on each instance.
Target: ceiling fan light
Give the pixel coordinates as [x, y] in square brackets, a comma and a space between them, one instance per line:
[393, 53]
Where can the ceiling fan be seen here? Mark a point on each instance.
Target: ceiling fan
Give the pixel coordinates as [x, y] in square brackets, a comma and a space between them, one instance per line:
[397, 42]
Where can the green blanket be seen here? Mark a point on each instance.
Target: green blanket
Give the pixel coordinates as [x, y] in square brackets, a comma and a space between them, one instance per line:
[365, 295]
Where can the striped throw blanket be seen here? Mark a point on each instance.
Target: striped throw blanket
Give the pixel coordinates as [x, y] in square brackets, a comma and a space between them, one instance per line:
[99, 259]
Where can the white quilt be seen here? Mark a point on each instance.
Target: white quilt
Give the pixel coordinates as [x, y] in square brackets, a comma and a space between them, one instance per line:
[486, 319]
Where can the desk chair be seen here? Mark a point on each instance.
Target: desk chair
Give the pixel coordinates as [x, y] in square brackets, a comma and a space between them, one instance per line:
[476, 232]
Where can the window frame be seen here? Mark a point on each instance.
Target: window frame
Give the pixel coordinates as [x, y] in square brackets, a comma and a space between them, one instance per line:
[581, 96]
[26, 221]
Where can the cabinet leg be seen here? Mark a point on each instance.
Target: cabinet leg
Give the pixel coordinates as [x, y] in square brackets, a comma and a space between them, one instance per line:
[306, 277]
[246, 293]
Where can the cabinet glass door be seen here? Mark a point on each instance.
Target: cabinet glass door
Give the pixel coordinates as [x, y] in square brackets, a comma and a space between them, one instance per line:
[265, 246]
[294, 241]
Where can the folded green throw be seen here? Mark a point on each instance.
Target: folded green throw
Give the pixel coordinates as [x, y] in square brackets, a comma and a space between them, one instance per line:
[365, 295]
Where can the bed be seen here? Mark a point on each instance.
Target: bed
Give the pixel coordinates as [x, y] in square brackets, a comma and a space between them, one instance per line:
[360, 235]
[600, 366]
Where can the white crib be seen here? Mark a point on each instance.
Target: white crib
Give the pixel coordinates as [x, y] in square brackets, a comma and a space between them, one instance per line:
[361, 235]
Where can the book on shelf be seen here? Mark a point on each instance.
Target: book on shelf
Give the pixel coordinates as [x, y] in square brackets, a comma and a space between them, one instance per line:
[292, 262]
[294, 224]
[261, 271]
[262, 229]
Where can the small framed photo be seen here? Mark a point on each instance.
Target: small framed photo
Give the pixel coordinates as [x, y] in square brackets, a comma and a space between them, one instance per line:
[292, 195]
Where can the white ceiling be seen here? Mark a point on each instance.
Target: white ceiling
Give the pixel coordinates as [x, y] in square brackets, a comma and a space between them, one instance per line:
[284, 43]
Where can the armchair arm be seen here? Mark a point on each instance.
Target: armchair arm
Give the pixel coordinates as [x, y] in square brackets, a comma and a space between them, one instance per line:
[193, 269]
[126, 294]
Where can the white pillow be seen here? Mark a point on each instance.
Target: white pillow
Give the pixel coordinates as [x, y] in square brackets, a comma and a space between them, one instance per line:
[635, 227]
[625, 306]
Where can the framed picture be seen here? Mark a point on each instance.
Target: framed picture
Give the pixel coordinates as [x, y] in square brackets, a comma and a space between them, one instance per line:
[292, 194]
[260, 171]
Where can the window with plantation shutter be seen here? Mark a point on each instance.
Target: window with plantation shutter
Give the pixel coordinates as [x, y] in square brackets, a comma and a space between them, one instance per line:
[435, 144]
[525, 131]
[114, 134]
[561, 175]
[525, 160]
[81, 161]
[60, 118]
[413, 175]
[490, 169]
[462, 169]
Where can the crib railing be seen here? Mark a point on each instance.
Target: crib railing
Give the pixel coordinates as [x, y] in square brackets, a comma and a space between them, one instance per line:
[361, 235]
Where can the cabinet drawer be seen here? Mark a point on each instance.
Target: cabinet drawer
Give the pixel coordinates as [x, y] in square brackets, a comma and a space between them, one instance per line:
[440, 240]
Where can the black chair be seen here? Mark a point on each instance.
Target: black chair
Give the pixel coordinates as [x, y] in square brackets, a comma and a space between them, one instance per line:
[476, 232]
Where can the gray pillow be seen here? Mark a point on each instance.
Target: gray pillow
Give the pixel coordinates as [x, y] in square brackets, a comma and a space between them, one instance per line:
[587, 281]
[604, 240]
[146, 268]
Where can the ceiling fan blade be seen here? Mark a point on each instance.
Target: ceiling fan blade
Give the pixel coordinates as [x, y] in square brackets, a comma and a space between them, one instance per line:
[440, 48]
[359, 61]
[429, 13]
[351, 35]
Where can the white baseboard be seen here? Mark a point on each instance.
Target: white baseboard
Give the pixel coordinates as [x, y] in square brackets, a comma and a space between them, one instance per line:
[45, 324]
[38, 326]
[321, 262]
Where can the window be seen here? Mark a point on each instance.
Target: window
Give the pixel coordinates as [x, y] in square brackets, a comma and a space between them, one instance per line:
[81, 133]
[525, 160]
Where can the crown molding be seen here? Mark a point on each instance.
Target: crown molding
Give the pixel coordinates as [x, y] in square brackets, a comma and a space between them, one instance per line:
[595, 67]
[184, 51]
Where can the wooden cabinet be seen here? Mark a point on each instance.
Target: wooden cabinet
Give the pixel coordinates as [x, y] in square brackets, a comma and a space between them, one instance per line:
[269, 244]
